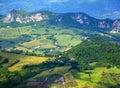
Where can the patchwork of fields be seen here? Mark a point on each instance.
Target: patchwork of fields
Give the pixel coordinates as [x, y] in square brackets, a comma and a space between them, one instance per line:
[38, 40]
[36, 46]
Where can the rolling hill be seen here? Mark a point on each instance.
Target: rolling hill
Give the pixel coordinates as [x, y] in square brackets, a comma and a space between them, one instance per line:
[47, 50]
[92, 63]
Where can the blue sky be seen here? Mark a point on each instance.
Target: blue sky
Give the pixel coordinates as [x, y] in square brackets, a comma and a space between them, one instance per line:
[95, 8]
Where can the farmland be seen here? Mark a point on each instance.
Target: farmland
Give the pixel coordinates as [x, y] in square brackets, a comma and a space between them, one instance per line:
[34, 39]
[16, 61]
[48, 56]
[64, 71]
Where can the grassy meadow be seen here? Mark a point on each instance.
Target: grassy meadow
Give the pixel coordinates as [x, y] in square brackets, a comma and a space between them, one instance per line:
[28, 60]
[22, 60]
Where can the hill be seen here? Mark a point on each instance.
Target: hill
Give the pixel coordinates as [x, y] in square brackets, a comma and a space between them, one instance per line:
[98, 50]
[76, 57]
[93, 63]
[95, 60]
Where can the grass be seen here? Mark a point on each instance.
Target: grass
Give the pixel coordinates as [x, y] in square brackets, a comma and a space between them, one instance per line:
[74, 42]
[27, 60]
[11, 33]
[32, 43]
[47, 43]
[23, 60]
[11, 58]
[57, 70]
[113, 70]
[43, 43]
[87, 84]
[96, 74]
[48, 46]
[67, 39]
[39, 31]
[83, 80]
[63, 39]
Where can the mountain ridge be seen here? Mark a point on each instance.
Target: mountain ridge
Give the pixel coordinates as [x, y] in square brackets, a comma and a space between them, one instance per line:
[75, 20]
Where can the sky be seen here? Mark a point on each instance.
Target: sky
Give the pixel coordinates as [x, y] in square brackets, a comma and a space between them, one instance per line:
[95, 8]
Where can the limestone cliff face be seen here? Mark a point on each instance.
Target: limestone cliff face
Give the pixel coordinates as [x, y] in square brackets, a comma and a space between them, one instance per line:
[10, 17]
[13, 17]
[33, 18]
[116, 27]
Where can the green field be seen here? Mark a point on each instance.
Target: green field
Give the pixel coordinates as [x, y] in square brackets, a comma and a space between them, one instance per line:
[84, 78]
[11, 33]
[67, 40]
[30, 39]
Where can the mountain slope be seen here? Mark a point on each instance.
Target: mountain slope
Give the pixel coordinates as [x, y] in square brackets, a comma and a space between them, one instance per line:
[75, 20]
[98, 50]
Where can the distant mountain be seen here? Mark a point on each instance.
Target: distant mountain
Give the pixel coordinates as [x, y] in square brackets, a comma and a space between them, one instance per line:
[95, 8]
[75, 20]
[22, 17]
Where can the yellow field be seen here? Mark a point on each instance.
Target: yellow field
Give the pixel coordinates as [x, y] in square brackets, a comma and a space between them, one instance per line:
[48, 46]
[28, 60]
[32, 43]
[42, 43]
[87, 84]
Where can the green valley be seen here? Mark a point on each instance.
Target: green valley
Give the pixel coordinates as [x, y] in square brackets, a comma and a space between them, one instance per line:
[84, 66]
[54, 50]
